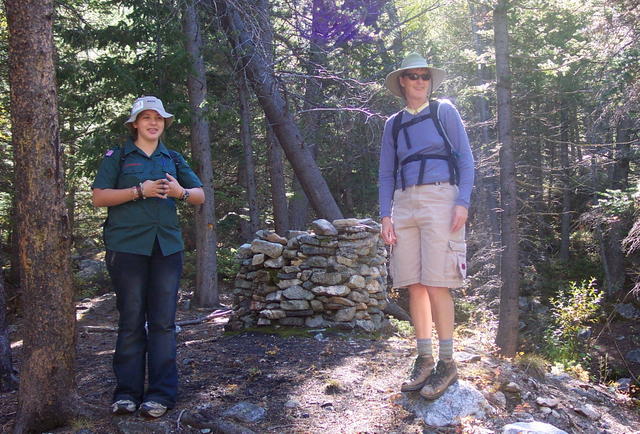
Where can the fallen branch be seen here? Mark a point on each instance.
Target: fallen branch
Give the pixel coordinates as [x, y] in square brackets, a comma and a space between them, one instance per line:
[215, 314]
[396, 311]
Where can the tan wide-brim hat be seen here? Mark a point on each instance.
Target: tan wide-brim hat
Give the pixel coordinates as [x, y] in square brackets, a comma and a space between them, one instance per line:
[148, 103]
[413, 60]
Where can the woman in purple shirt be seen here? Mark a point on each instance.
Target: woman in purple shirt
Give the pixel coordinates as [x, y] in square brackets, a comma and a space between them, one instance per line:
[425, 181]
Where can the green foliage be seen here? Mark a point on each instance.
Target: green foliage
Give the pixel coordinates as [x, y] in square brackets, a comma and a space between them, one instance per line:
[572, 309]
[227, 262]
[615, 203]
[402, 329]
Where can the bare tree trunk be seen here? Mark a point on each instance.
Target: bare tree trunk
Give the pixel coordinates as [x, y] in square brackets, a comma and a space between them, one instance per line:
[565, 220]
[206, 293]
[278, 191]
[248, 47]
[247, 147]
[507, 336]
[8, 380]
[47, 385]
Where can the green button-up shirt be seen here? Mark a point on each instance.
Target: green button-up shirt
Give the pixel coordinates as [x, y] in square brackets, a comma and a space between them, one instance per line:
[132, 227]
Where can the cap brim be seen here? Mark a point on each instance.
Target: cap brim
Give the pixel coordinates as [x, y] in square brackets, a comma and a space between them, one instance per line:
[393, 84]
[168, 118]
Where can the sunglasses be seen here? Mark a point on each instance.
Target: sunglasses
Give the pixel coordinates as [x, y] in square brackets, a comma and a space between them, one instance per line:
[413, 76]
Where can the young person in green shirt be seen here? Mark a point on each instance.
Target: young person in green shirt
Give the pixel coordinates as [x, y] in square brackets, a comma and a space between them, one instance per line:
[140, 183]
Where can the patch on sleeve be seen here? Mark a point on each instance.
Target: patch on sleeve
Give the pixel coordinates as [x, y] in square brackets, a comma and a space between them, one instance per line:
[109, 153]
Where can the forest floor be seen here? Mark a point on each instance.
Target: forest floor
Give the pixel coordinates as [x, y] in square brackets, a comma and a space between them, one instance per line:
[320, 382]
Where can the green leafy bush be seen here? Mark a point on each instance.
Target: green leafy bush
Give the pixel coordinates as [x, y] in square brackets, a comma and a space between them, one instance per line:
[572, 309]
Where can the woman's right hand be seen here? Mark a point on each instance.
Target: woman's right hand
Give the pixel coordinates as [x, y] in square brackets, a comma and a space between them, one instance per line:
[387, 232]
[158, 188]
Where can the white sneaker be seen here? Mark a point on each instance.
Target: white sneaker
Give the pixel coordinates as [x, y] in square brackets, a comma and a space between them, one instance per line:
[152, 409]
[123, 406]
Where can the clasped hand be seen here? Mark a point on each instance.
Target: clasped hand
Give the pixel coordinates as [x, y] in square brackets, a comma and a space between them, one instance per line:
[162, 188]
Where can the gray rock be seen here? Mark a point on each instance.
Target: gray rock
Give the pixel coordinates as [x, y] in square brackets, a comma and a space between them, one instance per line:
[244, 251]
[290, 321]
[338, 290]
[245, 412]
[356, 282]
[264, 321]
[309, 239]
[623, 384]
[293, 234]
[296, 292]
[273, 250]
[91, 270]
[512, 387]
[531, 428]
[359, 297]
[314, 321]
[366, 325]
[313, 250]
[584, 333]
[323, 227]
[274, 263]
[344, 223]
[463, 356]
[257, 259]
[327, 279]
[315, 262]
[294, 304]
[316, 305]
[460, 400]
[545, 401]
[273, 313]
[344, 315]
[131, 426]
[589, 411]
[271, 237]
[627, 311]
[284, 284]
[633, 356]
[497, 398]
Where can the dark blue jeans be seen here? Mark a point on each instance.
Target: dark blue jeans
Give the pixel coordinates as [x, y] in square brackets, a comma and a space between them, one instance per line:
[146, 291]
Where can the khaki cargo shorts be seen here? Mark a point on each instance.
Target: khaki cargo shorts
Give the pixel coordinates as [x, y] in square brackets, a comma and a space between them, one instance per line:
[426, 250]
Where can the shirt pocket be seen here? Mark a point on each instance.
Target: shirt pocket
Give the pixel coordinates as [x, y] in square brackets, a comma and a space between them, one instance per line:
[131, 174]
[458, 257]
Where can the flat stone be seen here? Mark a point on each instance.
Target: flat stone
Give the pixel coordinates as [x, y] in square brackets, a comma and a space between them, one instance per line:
[241, 283]
[296, 292]
[512, 387]
[341, 300]
[316, 305]
[257, 259]
[353, 236]
[545, 401]
[374, 286]
[346, 261]
[327, 279]
[531, 428]
[283, 284]
[344, 315]
[244, 251]
[315, 262]
[464, 357]
[323, 227]
[290, 269]
[356, 281]
[460, 400]
[589, 411]
[293, 234]
[292, 321]
[338, 290]
[358, 297]
[365, 325]
[295, 305]
[245, 412]
[271, 237]
[314, 321]
[274, 263]
[273, 314]
[309, 239]
[273, 250]
[263, 321]
[293, 313]
[313, 250]
[497, 398]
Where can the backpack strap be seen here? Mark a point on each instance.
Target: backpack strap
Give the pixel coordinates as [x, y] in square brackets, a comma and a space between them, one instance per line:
[454, 175]
[395, 131]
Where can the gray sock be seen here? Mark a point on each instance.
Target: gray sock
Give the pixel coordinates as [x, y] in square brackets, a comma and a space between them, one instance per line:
[446, 349]
[424, 347]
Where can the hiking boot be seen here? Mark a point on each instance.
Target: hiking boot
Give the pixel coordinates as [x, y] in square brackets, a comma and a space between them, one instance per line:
[421, 370]
[123, 406]
[442, 377]
[152, 409]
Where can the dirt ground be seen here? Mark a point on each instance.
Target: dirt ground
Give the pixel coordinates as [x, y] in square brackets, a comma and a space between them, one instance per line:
[325, 382]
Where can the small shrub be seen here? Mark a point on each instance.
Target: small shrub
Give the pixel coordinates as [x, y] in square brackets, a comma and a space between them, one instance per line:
[533, 365]
[403, 329]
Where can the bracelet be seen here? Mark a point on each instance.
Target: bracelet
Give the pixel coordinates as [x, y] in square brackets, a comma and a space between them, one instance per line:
[135, 193]
[185, 195]
[139, 190]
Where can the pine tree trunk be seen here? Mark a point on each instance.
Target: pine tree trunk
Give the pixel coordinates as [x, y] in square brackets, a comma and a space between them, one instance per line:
[565, 219]
[278, 191]
[507, 336]
[249, 49]
[8, 380]
[247, 147]
[206, 293]
[47, 385]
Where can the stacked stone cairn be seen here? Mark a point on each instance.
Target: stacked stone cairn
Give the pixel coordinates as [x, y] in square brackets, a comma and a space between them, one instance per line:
[331, 276]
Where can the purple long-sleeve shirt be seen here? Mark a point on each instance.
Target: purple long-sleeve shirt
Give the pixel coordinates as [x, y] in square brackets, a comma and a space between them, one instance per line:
[425, 139]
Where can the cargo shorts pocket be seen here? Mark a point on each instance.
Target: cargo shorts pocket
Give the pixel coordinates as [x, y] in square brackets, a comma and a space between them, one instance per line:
[458, 255]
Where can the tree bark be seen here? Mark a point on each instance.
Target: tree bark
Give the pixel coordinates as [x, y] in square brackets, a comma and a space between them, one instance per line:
[206, 293]
[47, 385]
[8, 380]
[247, 147]
[248, 47]
[507, 336]
[565, 219]
[278, 190]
